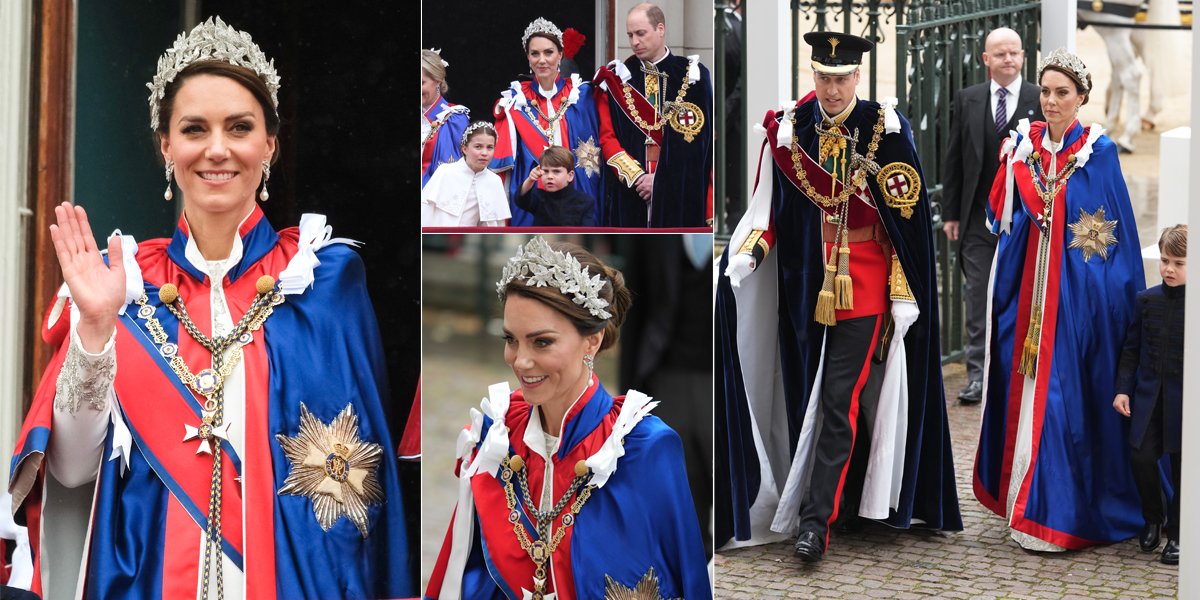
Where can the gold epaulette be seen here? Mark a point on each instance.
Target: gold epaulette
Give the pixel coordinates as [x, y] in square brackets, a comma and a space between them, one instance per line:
[627, 167]
[898, 283]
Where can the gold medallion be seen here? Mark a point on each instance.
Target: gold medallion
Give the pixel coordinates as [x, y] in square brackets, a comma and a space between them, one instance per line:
[901, 187]
[686, 118]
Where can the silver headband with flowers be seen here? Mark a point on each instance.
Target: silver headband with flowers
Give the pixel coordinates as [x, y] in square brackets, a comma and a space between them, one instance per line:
[211, 40]
[472, 128]
[541, 25]
[1063, 59]
[539, 265]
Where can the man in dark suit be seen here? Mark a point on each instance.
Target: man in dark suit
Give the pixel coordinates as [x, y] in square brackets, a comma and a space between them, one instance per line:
[983, 115]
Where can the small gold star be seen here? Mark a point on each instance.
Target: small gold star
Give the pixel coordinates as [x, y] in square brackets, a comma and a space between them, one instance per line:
[1093, 234]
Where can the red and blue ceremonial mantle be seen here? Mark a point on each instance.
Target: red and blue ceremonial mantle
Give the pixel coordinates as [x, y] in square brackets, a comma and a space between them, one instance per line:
[445, 144]
[152, 494]
[644, 508]
[1078, 490]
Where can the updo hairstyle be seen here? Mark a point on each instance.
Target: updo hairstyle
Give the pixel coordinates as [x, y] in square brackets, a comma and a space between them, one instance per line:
[617, 295]
[431, 64]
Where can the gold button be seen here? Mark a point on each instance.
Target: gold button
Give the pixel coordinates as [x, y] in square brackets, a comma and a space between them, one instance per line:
[168, 293]
[516, 463]
[581, 468]
[265, 284]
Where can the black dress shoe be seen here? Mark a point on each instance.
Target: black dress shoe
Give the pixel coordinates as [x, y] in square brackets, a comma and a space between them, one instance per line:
[972, 394]
[1149, 537]
[1170, 553]
[809, 547]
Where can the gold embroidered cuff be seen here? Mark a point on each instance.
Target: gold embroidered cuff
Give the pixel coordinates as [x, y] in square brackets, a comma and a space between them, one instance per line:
[898, 283]
[627, 167]
[755, 246]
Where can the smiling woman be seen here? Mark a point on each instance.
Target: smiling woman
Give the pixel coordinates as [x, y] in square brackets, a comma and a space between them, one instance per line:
[285, 459]
[554, 476]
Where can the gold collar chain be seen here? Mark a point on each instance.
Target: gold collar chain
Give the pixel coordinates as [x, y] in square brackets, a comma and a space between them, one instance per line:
[541, 550]
[210, 383]
[662, 116]
[858, 177]
[551, 120]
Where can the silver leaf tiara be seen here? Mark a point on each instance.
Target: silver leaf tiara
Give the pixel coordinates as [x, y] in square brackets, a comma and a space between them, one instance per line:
[539, 265]
[540, 25]
[211, 40]
[1065, 60]
[472, 128]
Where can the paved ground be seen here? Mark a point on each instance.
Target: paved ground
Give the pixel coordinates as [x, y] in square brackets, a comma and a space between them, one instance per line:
[979, 562]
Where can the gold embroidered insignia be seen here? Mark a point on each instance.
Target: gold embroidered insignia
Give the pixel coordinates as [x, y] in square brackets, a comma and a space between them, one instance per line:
[333, 467]
[901, 187]
[646, 588]
[686, 118]
[833, 42]
[587, 155]
[1093, 234]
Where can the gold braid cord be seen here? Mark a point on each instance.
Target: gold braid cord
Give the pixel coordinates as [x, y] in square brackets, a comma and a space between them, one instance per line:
[1047, 188]
[837, 288]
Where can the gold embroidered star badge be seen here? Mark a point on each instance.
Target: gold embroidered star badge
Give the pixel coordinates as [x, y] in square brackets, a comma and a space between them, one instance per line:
[1093, 234]
[587, 155]
[646, 589]
[333, 467]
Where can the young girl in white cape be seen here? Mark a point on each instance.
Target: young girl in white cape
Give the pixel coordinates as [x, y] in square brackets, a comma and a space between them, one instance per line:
[465, 193]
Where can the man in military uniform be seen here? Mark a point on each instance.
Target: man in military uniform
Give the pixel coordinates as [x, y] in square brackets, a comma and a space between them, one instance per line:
[660, 106]
[837, 243]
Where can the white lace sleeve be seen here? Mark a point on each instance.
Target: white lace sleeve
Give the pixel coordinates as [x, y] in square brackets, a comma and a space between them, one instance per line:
[82, 400]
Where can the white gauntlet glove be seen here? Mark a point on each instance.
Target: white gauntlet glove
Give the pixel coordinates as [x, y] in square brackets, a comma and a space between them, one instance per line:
[904, 314]
[740, 266]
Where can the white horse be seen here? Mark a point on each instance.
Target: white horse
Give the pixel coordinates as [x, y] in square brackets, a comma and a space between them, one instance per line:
[1133, 52]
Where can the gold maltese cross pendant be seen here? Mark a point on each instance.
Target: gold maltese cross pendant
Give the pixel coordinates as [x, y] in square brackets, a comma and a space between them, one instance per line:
[207, 433]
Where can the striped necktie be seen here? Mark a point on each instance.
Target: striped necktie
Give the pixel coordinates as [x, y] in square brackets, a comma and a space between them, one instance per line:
[1001, 110]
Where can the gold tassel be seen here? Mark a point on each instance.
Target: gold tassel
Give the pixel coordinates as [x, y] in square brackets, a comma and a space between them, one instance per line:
[1029, 354]
[844, 286]
[825, 314]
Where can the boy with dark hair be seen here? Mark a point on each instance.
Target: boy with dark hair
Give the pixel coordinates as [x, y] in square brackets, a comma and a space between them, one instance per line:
[1150, 392]
[556, 203]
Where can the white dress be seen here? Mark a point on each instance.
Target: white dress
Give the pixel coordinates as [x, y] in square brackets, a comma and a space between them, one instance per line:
[457, 196]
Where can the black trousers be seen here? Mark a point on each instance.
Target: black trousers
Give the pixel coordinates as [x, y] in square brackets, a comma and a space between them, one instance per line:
[849, 398]
[975, 255]
[1149, 482]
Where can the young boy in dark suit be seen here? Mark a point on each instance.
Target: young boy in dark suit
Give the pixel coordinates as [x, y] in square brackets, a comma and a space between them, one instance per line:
[556, 203]
[1150, 392]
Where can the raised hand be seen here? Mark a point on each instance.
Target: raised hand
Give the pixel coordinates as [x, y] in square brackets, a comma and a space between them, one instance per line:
[97, 289]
